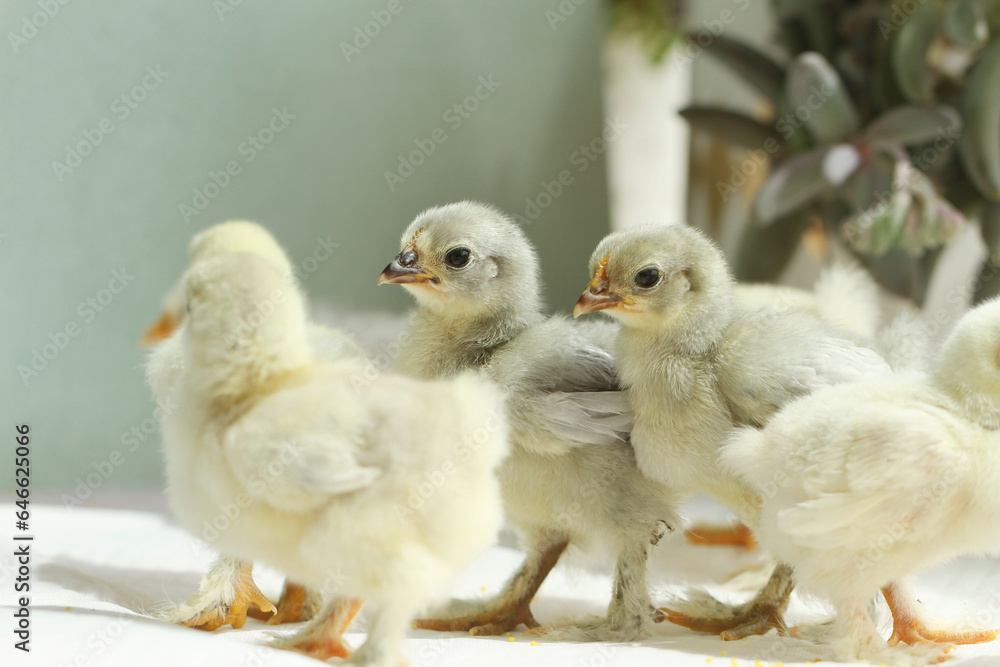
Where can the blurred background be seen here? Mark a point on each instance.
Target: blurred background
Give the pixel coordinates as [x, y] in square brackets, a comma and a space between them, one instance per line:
[128, 127]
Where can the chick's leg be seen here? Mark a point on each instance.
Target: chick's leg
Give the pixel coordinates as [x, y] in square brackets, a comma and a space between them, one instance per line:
[323, 637]
[224, 595]
[764, 612]
[511, 607]
[857, 638]
[384, 644]
[629, 612]
[908, 628]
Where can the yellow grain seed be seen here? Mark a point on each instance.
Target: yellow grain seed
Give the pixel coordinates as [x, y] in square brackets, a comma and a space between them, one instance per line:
[534, 643]
[510, 639]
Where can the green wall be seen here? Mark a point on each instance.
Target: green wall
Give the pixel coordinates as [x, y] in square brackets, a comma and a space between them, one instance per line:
[198, 81]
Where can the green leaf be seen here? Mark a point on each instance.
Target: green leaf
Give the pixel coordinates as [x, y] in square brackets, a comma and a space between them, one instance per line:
[871, 183]
[816, 93]
[798, 181]
[965, 23]
[909, 52]
[911, 124]
[987, 282]
[732, 127]
[989, 227]
[764, 252]
[759, 70]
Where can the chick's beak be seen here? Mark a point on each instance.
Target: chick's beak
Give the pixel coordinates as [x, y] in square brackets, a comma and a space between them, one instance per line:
[589, 302]
[404, 269]
[162, 329]
[598, 295]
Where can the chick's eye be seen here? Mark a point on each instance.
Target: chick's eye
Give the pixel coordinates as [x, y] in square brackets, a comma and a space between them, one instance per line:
[647, 277]
[457, 257]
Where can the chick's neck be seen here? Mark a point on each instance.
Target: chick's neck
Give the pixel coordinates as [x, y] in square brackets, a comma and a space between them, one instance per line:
[230, 376]
[441, 345]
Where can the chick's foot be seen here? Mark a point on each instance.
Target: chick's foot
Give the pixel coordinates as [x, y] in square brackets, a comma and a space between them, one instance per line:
[495, 620]
[757, 617]
[512, 607]
[909, 629]
[730, 536]
[297, 604]
[224, 597]
[323, 637]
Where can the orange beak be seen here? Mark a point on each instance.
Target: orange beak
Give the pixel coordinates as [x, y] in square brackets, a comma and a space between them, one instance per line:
[597, 295]
[404, 269]
[161, 330]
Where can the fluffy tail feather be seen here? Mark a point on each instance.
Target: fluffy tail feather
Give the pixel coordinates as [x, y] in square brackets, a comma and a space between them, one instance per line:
[745, 455]
[847, 297]
[905, 342]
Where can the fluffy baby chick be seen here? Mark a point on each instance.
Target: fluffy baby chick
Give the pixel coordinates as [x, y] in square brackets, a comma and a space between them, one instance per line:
[227, 593]
[571, 478]
[694, 366]
[322, 459]
[867, 484]
[844, 296]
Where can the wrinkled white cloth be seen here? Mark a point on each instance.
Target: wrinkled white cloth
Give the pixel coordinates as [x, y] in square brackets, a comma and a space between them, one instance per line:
[95, 571]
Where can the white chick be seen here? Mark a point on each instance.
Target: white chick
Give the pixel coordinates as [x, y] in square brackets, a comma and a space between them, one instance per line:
[867, 484]
[694, 367]
[845, 296]
[571, 478]
[227, 593]
[324, 461]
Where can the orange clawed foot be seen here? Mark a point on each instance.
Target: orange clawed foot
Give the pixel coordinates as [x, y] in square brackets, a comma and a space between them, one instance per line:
[732, 536]
[913, 632]
[324, 637]
[494, 621]
[909, 629]
[233, 612]
[292, 607]
[757, 620]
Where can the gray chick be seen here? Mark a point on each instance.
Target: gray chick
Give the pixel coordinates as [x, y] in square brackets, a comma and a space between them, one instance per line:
[571, 478]
[694, 366]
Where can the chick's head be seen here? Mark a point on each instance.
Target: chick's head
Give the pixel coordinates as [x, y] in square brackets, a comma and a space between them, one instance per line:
[241, 309]
[968, 366]
[239, 236]
[467, 256]
[652, 276]
[225, 237]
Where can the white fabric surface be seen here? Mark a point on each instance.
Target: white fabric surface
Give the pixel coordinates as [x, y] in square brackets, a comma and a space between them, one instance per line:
[94, 571]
